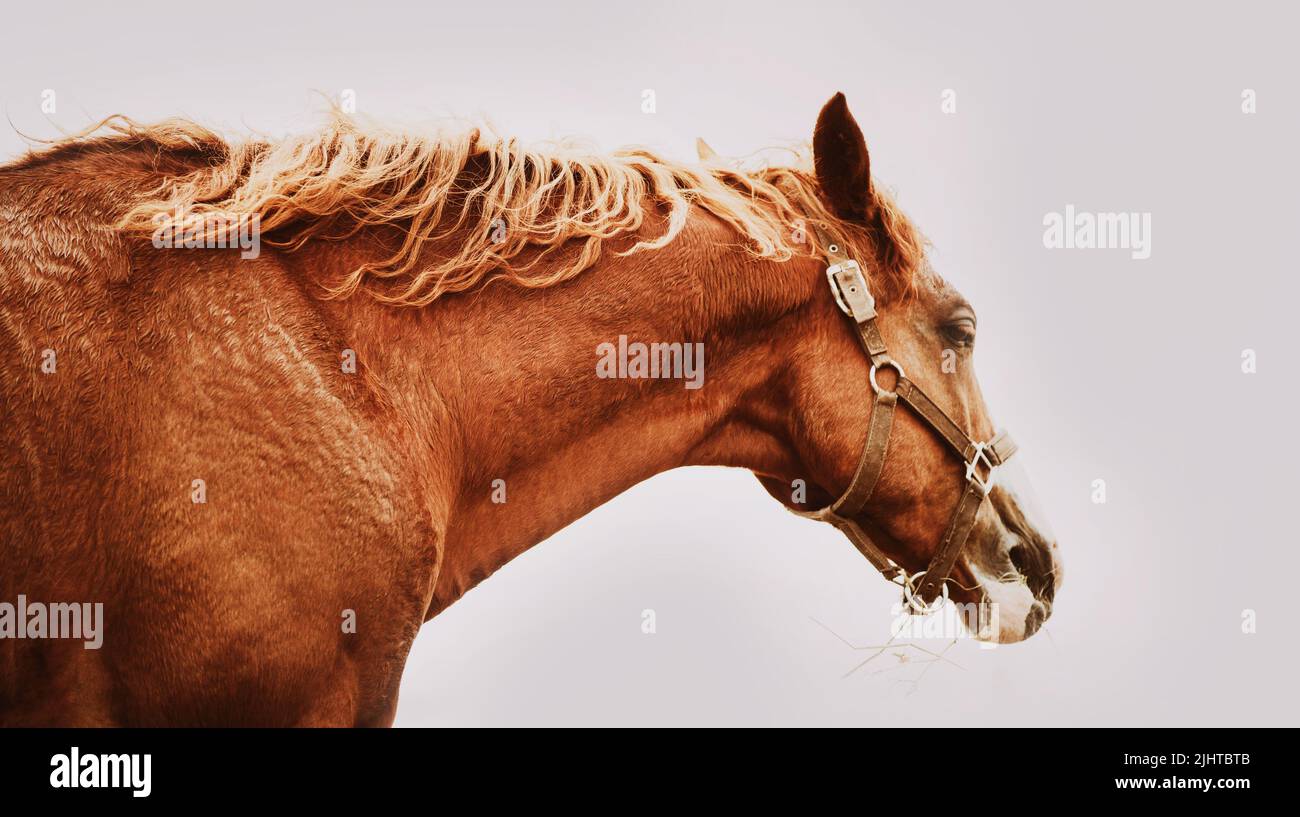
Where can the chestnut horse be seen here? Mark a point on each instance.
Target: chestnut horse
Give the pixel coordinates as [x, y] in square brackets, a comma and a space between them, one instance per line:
[272, 466]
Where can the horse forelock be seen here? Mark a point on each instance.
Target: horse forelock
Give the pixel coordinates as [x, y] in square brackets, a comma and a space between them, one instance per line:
[494, 207]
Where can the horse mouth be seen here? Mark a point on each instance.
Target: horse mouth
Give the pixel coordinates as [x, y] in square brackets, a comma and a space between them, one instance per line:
[1019, 591]
[1038, 613]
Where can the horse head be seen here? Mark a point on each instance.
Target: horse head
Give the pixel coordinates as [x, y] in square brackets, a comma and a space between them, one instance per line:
[887, 426]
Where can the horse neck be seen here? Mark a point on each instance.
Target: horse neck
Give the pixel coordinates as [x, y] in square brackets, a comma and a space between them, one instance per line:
[532, 437]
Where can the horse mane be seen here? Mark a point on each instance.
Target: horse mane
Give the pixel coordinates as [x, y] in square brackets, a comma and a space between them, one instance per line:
[487, 201]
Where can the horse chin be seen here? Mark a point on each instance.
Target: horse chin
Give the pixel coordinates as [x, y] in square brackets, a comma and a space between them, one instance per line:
[1014, 613]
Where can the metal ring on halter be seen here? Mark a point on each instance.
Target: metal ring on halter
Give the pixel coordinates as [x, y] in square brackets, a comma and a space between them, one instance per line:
[893, 364]
[918, 606]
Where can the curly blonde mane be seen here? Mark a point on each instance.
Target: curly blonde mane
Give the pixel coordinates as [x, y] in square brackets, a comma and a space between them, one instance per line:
[488, 199]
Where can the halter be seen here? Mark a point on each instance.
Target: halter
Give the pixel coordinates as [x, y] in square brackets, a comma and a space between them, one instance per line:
[849, 286]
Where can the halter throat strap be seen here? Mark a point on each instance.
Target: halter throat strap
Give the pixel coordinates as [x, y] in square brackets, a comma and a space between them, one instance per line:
[981, 459]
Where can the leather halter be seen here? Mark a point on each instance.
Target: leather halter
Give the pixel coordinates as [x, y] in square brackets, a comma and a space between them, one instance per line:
[849, 286]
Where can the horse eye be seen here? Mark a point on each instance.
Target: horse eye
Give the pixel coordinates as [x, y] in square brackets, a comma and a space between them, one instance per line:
[961, 332]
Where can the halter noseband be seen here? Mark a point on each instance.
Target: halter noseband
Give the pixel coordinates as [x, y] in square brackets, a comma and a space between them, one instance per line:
[849, 286]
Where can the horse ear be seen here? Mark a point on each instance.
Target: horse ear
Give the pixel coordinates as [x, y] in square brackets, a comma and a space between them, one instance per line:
[705, 152]
[840, 160]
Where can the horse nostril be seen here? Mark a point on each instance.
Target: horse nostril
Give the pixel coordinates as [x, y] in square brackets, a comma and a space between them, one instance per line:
[1035, 564]
[1037, 615]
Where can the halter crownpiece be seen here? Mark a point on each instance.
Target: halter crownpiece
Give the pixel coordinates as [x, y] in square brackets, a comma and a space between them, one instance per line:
[853, 295]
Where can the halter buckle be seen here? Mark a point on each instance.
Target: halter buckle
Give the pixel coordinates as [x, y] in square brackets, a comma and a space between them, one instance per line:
[849, 286]
[973, 467]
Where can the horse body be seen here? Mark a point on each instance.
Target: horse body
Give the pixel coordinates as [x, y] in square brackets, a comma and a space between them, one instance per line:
[171, 368]
[268, 529]
[323, 492]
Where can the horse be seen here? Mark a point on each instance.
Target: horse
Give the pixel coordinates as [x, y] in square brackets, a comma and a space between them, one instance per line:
[272, 466]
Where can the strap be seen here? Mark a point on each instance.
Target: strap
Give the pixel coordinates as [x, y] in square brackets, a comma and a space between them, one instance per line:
[921, 403]
[1001, 447]
[862, 541]
[950, 546]
[836, 252]
[873, 343]
[872, 461]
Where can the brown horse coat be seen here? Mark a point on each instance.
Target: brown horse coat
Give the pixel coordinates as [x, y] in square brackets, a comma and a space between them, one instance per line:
[340, 509]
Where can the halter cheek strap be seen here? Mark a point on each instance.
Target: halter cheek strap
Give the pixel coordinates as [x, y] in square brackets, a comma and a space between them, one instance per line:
[981, 459]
